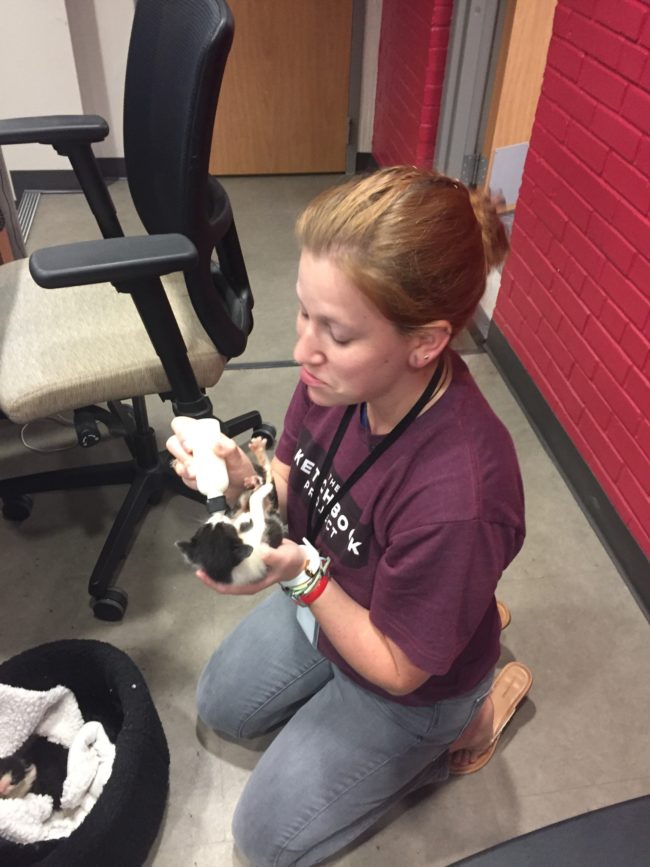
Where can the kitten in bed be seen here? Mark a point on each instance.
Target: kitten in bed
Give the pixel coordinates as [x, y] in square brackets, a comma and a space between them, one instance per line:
[39, 766]
[226, 546]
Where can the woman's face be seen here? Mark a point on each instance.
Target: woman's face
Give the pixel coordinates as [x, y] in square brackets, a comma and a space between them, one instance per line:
[348, 351]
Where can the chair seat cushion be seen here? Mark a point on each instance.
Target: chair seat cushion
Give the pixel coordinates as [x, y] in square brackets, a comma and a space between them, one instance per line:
[66, 348]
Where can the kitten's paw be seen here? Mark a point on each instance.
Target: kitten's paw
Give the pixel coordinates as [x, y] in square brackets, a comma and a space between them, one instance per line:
[258, 446]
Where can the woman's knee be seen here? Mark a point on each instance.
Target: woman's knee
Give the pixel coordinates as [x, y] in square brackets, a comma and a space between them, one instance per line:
[258, 833]
[216, 699]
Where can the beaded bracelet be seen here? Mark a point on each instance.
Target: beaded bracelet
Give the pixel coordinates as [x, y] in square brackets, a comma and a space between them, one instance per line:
[306, 587]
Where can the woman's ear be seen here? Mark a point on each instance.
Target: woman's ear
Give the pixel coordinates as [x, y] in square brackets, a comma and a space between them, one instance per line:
[431, 341]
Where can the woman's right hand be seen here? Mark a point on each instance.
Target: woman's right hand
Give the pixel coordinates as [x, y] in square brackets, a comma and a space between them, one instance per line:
[238, 463]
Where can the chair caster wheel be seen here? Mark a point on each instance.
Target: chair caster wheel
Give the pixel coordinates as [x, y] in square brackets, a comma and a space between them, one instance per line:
[111, 606]
[17, 508]
[267, 432]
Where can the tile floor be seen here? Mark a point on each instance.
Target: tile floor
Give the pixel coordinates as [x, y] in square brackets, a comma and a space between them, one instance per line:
[579, 742]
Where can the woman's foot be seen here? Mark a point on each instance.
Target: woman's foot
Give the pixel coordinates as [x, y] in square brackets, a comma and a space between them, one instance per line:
[476, 738]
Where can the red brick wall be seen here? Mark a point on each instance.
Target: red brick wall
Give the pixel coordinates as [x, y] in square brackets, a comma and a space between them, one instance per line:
[411, 67]
[574, 302]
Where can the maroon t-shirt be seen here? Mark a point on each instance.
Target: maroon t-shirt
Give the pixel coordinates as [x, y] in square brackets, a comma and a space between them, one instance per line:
[422, 538]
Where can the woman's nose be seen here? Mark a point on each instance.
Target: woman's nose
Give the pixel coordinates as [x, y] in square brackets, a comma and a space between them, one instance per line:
[306, 349]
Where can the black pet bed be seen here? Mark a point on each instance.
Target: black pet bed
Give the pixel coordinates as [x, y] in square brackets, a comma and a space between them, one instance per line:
[108, 686]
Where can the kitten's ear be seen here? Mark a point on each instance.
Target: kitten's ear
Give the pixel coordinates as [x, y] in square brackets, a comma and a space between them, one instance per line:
[187, 549]
[241, 552]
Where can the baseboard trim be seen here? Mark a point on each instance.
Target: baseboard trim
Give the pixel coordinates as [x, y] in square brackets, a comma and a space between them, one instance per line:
[63, 179]
[365, 162]
[622, 547]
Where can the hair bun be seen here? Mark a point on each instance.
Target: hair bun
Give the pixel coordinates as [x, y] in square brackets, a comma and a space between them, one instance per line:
[493, 232]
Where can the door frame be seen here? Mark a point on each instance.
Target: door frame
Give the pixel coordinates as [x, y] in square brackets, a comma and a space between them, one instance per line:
[474, 45]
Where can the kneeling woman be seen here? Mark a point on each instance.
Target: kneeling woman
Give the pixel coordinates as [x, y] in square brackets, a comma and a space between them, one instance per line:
[404, 504]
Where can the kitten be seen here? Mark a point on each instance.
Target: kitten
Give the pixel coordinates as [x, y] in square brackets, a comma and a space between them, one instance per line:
[226, 546]
[39, 766]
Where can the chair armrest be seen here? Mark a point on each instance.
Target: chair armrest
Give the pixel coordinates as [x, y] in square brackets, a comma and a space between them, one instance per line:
[111, 260]
[54, 129]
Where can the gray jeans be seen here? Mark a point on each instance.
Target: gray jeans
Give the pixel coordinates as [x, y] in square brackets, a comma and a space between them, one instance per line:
[344, 757]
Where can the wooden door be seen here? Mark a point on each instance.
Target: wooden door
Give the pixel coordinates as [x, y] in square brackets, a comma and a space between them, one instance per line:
[284, 101]
[518, 81]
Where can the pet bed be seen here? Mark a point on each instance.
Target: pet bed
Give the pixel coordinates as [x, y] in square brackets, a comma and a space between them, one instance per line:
[109, 688]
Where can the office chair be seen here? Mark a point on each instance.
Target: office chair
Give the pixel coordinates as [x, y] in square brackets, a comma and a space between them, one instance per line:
[113, 320]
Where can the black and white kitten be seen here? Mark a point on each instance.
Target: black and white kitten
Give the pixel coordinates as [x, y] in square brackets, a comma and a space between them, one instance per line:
[226, 547]
[39, 766]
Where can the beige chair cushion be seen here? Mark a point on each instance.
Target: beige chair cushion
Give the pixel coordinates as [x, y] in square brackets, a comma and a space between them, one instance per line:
[65, 348]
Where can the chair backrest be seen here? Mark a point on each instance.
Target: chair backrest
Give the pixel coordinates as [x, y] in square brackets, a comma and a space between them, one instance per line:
[177, 56]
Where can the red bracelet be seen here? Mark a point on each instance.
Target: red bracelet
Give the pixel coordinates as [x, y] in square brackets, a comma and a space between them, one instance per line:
[307, 598]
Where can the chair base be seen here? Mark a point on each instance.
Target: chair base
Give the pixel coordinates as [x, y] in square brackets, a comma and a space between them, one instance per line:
[149, 477]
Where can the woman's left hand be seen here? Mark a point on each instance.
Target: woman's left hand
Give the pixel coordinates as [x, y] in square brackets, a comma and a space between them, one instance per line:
[283, 564]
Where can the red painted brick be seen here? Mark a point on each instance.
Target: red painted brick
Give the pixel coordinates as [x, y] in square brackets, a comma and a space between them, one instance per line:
[634, 458]
[509, 312]
[526, 306]
[552, 117]
[550, 215]
[569, 97]
[622, 16]
[552, 316]
[558, 256]
[593, 296]
[564, 397]
[574, 274]
[603, 84]
[613, 321]
[628, 181]
[587, 147]
[622, 136]
[614, 245]
[606, 455]
[585, 7]
[586, 253]
[572, 306]
[526, 220]
[597, 41]
[638, 388]
[536, 261]
[624, 293]
[565, 58]
[632, 62]
[537, 172]
[644, 36]
[516, 272]
[620, 403]
[578, 211]
[636, 108]
[635, 497]
[604, 344]
[591, 397]
[636, 345]
[643, 439]
[543, 238]
[633, 226]
[586, 359]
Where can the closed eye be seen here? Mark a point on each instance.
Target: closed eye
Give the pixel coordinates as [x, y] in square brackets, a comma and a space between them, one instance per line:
[245, 526]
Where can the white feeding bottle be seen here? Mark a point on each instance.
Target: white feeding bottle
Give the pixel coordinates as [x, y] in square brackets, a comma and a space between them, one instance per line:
[211, 472]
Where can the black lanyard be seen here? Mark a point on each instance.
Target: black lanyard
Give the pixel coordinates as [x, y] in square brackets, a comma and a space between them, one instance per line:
[314, 527]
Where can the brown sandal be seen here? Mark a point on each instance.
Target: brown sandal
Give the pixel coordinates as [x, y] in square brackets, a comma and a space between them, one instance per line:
[504, 613]
[510, 687]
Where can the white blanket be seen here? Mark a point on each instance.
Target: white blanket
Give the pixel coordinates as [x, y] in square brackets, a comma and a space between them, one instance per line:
[54, 715]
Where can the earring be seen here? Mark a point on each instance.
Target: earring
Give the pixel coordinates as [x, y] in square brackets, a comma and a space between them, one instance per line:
[426, 357]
